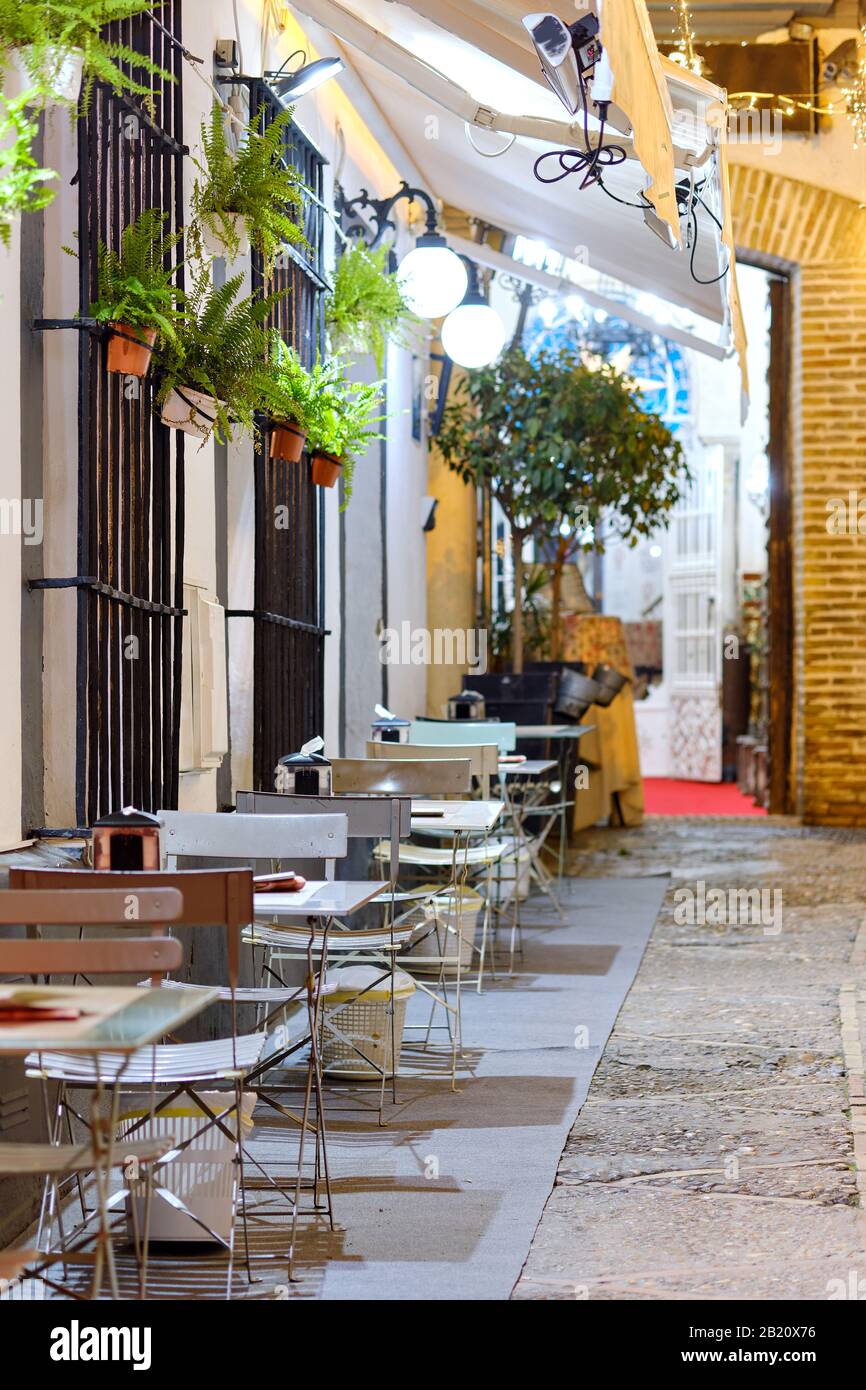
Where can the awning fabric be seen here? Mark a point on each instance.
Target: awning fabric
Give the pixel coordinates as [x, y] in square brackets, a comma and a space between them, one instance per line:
[473, 63]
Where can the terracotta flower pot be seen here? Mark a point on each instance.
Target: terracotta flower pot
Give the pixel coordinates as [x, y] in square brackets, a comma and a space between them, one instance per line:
[287, 442]
[326, 469]
[133, 359]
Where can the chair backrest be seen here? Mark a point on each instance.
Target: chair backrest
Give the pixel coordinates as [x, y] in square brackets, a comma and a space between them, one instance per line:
[368, 817]
[484, 757]
[214, 835]
[130, 955]
[445, 777]
[73, 903]
[90, 907]
[458, 732]
[210, 897]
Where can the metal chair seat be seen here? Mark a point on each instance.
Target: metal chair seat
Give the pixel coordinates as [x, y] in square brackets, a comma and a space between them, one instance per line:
[268, 995]
[166, 1063]
[295, 939]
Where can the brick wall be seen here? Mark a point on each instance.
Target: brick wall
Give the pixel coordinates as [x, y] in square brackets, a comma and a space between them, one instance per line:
[822, 237]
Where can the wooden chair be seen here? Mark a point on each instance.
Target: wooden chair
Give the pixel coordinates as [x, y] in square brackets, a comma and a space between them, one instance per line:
[484, 757]
[128, 955]
[212, 898]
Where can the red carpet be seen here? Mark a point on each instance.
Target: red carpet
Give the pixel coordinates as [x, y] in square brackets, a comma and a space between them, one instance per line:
[664, 796]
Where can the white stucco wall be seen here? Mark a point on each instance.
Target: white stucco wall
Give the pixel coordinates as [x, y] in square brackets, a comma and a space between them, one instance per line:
[353, 138]
[10, 545]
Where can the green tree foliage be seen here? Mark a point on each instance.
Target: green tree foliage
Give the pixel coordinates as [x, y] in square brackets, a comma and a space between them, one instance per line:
[562, 442]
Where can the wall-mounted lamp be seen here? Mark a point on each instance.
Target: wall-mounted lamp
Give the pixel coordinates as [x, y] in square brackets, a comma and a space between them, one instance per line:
[432, 276]
[473, 334]
[288, 86]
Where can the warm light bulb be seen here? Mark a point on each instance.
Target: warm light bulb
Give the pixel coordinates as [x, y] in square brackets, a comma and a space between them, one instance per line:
[473, 335]
[433, 278]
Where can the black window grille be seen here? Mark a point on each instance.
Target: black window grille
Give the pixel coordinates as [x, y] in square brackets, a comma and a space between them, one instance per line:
[130, 467]
[288, 617]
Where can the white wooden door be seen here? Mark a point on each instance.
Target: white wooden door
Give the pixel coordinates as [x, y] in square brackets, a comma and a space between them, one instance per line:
[693, 636]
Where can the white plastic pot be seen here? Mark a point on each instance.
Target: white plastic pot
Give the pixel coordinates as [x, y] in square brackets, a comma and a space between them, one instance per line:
[202, 1175]
[356, 1020]
[437, 930]
[61, 78]
[194, 412]
[515, 865]
[213, 242]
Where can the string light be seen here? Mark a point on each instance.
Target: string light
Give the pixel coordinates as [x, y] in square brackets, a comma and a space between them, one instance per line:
[855, 95]
[683, 51]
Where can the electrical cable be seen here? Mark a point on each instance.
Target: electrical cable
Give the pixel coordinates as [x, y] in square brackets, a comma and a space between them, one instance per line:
[588, 161]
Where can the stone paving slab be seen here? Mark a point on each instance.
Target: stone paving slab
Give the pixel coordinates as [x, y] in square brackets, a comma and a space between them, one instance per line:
[716, 1155]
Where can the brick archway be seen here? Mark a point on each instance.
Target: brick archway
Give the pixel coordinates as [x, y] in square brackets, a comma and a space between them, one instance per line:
[821, 238]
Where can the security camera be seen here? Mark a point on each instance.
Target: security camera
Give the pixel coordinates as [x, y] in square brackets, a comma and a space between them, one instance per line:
[567, 53]
[428, 513]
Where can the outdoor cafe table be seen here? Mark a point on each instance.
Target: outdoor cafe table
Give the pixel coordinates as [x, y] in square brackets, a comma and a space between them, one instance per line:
[115, 1023]
[564, 734]
[457, 818]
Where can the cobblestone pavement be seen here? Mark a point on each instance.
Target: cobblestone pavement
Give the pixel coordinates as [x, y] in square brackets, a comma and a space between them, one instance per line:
[717, 1153]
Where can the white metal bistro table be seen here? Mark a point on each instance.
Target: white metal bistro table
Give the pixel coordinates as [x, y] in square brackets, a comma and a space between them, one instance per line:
[327, 898]
[530, 767]
[113, 1022]
[460, 821]
[455, 817]
[520, 806]
[563, 734]
[297, 925]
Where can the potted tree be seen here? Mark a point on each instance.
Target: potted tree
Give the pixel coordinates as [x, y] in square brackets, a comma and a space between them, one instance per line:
[248, 196]
[340, 427]
[23, 184]
[213, 370]
[546, 442]
[135, 295]
[51, 46]
[366, 306]
[624, 473]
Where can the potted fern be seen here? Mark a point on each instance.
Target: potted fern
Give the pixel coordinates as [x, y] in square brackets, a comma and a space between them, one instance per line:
[340, 427]
[214, 367]
[135, 295]
[291, 396]
[23, 184]
[251, 196]
[366, 307]
[52, 44]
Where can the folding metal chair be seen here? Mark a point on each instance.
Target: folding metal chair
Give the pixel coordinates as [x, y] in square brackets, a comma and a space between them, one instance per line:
[36, 956]
[368, 817]
[240, 836]
[442, 776]
[483, 757]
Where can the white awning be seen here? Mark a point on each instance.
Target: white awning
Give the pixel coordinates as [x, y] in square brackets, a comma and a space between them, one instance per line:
[472, 64]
